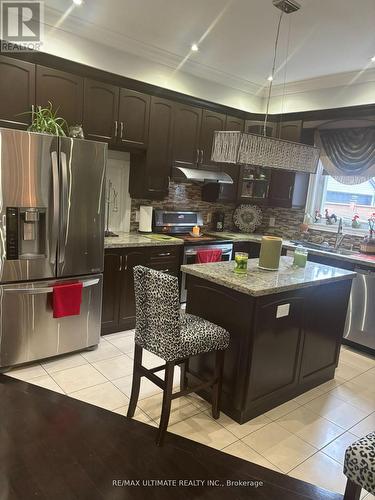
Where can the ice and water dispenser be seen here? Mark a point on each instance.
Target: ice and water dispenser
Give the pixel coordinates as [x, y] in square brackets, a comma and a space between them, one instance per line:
[26, 233]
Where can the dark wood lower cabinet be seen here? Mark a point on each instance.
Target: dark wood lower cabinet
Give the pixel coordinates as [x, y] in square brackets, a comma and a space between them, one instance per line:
[270, 359]
[118, 310]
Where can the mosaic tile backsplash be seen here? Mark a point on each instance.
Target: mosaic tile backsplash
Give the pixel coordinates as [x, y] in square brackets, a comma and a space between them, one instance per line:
[189, 197]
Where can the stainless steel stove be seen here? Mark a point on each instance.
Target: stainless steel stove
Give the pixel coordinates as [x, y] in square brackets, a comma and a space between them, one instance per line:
[180, 224]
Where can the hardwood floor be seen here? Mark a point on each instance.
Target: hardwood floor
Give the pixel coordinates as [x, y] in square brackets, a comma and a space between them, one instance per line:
[53, 446]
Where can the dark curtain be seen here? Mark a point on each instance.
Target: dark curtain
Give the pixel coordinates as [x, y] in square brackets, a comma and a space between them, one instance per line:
[348, 154]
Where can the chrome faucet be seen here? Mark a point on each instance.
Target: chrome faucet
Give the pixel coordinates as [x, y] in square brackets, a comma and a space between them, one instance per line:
[339, 235]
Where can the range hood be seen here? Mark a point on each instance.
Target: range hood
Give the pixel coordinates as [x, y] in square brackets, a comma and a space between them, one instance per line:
[183, 174]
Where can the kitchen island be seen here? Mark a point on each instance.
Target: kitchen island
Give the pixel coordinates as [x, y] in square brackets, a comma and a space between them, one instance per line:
[286, 329]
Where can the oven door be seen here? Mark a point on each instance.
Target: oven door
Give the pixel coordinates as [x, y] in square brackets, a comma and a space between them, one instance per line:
[190, 255]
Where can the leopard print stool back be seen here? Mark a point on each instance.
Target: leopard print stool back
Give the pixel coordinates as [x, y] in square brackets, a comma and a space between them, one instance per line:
[157, 312]
[359, 464]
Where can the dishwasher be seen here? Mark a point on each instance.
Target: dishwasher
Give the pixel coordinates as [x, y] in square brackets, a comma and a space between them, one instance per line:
[360, 320]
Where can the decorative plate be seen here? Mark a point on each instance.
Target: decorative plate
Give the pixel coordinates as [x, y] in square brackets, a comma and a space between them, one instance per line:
[246, 218]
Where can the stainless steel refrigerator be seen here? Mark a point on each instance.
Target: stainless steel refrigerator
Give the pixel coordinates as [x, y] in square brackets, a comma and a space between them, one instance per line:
[51, 231]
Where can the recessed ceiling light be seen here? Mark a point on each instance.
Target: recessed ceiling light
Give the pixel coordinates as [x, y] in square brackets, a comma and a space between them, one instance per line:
[270, 78]
[373, 59]
[194, 47]
[78, 2]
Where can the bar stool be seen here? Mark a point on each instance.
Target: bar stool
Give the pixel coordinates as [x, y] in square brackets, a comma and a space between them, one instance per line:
[163, 329]
[359, 467]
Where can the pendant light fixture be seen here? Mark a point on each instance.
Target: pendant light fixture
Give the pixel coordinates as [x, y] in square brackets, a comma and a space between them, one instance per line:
[253, 149]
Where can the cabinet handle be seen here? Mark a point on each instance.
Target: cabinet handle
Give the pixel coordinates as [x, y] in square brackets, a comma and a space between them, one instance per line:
[125, 268]
[116, 128]
[201, 156]
[165, 254]
[164, 270]
[120, 267]
[32, 112]
[197, 159]
[290, 192]
[121, 129]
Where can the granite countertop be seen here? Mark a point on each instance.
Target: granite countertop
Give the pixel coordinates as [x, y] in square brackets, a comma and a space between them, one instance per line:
[258, 282]
[129, 240]
[354, 257]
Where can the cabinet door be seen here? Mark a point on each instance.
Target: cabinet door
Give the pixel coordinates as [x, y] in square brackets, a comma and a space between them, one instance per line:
[257, 127]
[17, 91]
[130, 258]
[63, 90]
[234, 124]
[110, 306]
[134, 111]
[211, 121]
[290, 131]
[159, 151]
[281, 189]
[186, 134]
[100, 111]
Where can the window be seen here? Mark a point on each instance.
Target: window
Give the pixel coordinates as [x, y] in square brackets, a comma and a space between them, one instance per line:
[355, 204]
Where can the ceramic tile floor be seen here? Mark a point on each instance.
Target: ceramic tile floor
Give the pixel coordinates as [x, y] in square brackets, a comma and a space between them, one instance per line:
[305, 438]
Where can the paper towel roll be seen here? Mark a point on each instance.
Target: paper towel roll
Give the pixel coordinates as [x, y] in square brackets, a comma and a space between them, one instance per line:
[270, 252]
[145, 219]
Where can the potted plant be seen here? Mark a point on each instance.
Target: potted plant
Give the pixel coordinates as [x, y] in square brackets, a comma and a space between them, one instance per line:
[46, 121]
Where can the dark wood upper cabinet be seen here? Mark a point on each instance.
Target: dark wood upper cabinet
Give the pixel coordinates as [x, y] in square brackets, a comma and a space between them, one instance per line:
[100, 111]
[134, 112]
[186, 135]
[234, 124]
[149, 172]
[17, 92]
[211, 122]
[281, 188]
[63, 90]
[257, 127]
[290, 131]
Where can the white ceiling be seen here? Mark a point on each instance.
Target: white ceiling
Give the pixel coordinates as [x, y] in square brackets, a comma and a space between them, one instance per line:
[236, 37]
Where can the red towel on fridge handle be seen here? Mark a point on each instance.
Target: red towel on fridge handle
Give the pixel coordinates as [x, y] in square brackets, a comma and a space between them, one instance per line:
[66, 299]
[204, 256]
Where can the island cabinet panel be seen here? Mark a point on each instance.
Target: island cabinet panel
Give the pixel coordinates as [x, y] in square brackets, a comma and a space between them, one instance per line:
[134, 113]
[277, 342]
[118, 309]
[63, 90]
[281, 344]
[100, 111]
[323, 330]
[17, 91]
[186, 135]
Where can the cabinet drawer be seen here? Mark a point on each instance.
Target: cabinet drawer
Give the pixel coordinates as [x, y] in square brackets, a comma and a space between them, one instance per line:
[162, 254]
[166, 267]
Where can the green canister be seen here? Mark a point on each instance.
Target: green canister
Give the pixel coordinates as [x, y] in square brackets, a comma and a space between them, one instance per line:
[270, 252]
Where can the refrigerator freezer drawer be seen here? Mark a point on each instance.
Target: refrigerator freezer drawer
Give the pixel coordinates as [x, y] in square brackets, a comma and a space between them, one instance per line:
[28, 330]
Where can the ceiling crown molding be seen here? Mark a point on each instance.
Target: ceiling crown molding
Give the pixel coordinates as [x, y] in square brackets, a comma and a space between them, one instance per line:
[121, 42]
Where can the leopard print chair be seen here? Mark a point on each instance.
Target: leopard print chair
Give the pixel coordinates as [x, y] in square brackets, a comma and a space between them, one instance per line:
[163, 329]
[359, 467]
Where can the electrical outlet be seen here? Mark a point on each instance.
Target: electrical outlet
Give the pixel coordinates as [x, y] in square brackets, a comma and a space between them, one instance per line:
[272, 222]
[209, 217]
[137, 216]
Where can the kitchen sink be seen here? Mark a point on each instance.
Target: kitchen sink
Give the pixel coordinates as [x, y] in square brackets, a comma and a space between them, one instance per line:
[325, 248]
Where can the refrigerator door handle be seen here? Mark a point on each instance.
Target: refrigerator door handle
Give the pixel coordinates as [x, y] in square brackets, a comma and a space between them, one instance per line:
[55, 217]
[47, 289]
[65, 207]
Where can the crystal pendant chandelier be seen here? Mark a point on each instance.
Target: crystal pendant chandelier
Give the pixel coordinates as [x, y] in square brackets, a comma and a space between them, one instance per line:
[253, 149]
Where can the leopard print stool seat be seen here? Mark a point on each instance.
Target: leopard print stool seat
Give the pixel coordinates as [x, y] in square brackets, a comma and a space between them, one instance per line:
[359, 466]
[175, 336]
